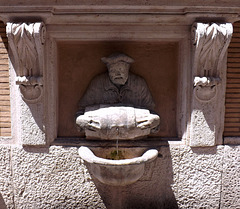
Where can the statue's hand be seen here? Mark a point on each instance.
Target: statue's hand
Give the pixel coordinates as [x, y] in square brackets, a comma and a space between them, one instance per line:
[93, 125]
[85, 122]
[143, 124]
[151, 121]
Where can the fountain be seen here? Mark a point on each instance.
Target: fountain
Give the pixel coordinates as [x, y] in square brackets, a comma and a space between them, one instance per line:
[117, 106]
[117, 172]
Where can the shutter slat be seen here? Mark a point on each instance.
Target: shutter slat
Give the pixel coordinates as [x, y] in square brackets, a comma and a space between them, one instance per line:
[5, 114]
[232, 103]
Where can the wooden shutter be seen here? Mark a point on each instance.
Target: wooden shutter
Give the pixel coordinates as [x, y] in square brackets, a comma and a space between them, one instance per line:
[232, 108]
[5, 114]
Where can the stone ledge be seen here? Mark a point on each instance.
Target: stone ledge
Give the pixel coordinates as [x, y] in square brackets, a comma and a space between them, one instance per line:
[150, 142]
[232, 140]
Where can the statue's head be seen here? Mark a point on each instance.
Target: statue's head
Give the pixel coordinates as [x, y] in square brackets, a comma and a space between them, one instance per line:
[118, 67]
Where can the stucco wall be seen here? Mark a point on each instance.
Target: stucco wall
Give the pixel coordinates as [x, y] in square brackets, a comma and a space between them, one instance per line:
[181, 177]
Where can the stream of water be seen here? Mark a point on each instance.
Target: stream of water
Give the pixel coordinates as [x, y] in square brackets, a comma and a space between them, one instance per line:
[117, 140]
[117, 146]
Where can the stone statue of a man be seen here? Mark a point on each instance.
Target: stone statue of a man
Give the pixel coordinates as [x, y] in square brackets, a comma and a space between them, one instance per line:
[117, 104]
[118, 86]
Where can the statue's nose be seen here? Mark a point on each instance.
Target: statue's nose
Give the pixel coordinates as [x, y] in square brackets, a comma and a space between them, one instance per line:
[118, 72]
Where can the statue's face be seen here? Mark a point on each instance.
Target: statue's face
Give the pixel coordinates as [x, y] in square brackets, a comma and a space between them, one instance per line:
[118, 72]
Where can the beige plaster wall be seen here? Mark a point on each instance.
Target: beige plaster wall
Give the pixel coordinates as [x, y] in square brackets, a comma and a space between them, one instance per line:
[156, 62]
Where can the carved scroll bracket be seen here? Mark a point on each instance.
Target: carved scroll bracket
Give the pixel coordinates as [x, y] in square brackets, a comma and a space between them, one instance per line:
[26, 41]
[210, 43]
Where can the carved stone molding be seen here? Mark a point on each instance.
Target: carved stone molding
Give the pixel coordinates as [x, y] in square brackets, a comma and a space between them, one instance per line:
[26, 43]
[205, 88]
[210, 43]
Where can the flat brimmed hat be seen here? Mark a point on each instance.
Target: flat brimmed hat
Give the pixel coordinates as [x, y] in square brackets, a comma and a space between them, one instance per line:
[117, 57]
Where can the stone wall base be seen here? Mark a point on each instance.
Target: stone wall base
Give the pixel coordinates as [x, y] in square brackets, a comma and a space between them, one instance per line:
[181, 177]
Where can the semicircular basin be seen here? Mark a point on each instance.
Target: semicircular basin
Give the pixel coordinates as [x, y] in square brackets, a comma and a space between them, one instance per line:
[117, 172]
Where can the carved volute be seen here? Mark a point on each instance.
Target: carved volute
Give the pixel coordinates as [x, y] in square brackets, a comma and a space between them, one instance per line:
[210, 43]
[26, 43]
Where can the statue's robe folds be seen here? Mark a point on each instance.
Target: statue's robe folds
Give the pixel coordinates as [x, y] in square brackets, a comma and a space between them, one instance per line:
[102, 91]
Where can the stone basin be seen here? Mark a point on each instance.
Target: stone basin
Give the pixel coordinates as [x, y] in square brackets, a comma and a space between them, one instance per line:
[117, 172]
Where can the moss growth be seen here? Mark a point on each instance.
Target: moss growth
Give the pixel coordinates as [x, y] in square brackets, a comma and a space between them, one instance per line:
[116, 155]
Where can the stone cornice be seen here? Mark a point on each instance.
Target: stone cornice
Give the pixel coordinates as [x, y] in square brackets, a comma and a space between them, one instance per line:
[101, 14]
[174, 9]
[179, 12]
[114, 3]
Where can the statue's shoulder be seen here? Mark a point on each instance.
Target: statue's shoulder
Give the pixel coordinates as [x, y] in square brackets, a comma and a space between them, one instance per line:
[136, 79]
[101, 78]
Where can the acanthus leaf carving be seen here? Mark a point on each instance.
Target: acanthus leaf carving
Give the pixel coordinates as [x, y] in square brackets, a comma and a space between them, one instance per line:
[26, 43]
[210, 43]
[210, 46]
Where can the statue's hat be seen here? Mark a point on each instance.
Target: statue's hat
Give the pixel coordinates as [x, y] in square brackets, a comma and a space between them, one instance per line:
[117, 57]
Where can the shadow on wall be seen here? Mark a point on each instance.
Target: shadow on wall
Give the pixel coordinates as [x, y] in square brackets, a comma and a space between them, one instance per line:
[34, 150]
[152, 191]
[204, 150]
[2, 203]
[37, 110]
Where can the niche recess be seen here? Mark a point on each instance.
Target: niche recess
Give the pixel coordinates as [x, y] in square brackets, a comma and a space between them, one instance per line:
[156, 62]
